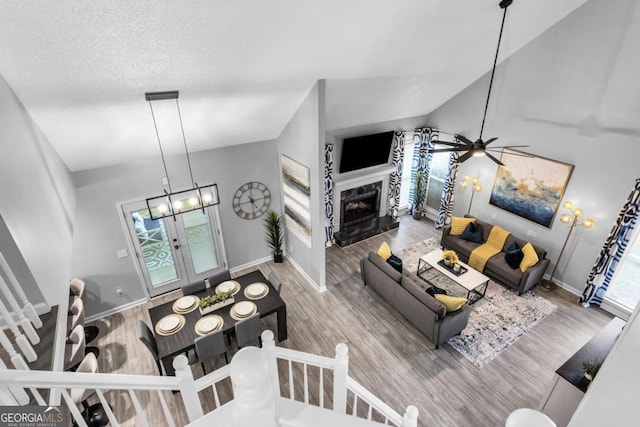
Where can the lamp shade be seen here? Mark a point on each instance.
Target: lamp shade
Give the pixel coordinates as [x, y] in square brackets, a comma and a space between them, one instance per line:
[588, 223]
[183, 201]
[565, 218]
[568, 204]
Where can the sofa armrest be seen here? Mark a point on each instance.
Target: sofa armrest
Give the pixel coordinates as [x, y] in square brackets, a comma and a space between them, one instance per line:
[446, 230]
[533, 275]
[452, 324]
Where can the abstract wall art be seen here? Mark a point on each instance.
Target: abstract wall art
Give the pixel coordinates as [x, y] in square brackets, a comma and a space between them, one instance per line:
[297, 200]
[530, 186]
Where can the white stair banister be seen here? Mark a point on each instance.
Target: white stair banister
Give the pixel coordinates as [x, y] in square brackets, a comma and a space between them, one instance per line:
[254, 400]
[187, 387]
[269, 349]
[27, 306]
[21, 340]
[340, 373]
[410, 418]
[22, 320]
[19, 394]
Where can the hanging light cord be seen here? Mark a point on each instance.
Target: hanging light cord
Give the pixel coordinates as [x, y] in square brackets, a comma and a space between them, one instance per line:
[164, 163]
[495, 61]
[185, 144]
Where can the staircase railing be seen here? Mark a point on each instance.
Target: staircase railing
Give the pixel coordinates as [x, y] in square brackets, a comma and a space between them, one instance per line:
[314, 388]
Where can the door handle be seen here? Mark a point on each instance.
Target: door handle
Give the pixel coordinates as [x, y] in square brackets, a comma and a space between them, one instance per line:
[176, 246]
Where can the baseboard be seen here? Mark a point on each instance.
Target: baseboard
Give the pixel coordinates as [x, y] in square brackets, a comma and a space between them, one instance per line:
[564, 286]
[250, 264]
[306, 276]
[115, 310]
[615, 309]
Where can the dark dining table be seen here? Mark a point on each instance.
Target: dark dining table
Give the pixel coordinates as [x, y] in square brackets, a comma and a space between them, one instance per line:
[182, 341]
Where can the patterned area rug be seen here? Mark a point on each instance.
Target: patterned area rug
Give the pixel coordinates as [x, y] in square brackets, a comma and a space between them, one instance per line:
[496, 321]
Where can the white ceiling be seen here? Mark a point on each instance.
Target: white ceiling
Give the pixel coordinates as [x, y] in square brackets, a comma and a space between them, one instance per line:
[242, 67]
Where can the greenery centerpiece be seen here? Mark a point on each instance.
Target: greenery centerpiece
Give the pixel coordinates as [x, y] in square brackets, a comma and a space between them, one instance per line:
[274, 234]
[591, 369]
[418, 195]
[213, 302]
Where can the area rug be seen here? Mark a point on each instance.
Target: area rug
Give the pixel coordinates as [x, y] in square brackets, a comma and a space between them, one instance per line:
[496, 321]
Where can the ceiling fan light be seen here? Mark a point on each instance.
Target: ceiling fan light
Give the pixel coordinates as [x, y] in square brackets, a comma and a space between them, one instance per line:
[478, 153]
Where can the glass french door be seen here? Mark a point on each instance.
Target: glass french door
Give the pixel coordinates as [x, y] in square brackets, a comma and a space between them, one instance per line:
[172, 253]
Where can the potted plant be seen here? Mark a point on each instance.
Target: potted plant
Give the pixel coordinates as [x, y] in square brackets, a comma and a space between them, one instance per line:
[274, 233]
[418, 195]
[591, 369]
[213, 302]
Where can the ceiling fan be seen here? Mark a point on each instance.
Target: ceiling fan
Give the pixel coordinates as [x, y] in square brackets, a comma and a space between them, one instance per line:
[479, 147]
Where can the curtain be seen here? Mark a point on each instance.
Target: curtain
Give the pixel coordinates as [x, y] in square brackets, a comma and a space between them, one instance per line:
[448, 192]
[421, 159]
[328, 195]
[611, 253]
[393, 199]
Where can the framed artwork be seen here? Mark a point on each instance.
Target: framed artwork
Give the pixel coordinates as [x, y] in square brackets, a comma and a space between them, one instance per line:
[530, 186]
[297, 200]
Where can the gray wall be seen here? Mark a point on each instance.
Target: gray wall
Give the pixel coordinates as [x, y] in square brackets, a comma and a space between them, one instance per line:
[100, 233]
[37, 202]
[570, 72]
[302, 140]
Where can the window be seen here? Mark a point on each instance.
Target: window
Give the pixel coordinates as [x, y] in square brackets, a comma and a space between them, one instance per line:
[407, 163]
[624, 289]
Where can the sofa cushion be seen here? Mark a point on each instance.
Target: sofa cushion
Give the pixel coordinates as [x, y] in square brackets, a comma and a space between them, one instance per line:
[530, 257]
[386, 268]
[458, 225]
[451, 303]
[416, 287]
[384, 251]
[539, 251]
[498, 269]
[395, 262]
[486, 228]
[513, 255]
[472, 233]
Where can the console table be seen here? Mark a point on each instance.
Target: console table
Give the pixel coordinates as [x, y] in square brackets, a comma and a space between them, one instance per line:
[570, 385]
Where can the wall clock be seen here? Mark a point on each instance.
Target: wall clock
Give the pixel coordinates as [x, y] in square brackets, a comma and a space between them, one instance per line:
[251, 200]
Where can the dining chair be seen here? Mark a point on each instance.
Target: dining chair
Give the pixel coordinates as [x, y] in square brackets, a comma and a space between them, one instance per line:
[209, 347]
[273, 280]
[248, 329]
[76, 349]
[149, 340]
[193, 288]
[220, 277]
[76, 317]
[77, 288]
[93, 415]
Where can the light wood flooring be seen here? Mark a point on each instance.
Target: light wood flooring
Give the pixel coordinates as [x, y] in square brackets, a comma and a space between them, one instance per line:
[387, 355]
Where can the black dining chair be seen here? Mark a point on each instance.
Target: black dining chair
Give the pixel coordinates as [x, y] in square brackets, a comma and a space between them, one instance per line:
[149, 340]
[274, 281]
[220, 277]
[247, 330]
[210, 347]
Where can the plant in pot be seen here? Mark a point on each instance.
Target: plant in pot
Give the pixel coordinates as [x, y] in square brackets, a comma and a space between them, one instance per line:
[274, 234]
[591, 369]
[418, 195]
[213, 302]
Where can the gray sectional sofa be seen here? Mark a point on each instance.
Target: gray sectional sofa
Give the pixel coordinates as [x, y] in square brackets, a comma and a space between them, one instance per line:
[497, 268]
[406, 293]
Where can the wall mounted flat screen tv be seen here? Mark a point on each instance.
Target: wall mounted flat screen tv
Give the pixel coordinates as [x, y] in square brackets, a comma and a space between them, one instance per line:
[365, 151]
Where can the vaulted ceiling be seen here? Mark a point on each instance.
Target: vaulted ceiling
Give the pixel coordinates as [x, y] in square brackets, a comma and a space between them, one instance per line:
[242, 67]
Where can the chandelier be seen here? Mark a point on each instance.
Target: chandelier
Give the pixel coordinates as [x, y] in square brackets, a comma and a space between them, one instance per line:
[173, 203]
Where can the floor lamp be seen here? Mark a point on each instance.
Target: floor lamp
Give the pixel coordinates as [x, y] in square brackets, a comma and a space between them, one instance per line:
[475, 187]
[573, 219]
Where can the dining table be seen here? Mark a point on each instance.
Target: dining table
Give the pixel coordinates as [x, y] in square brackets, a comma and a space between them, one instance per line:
[181, 341]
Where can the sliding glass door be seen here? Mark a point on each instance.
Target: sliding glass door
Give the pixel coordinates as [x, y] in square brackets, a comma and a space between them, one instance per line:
[171, 253]
[624, 289]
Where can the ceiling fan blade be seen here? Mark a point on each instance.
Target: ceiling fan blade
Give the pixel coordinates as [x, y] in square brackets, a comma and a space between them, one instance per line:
[450, 144]
[490, 141]
[448, 150]
[493, 158]
[513, 154]
[499, 147]
[465, 156]
[464, 139]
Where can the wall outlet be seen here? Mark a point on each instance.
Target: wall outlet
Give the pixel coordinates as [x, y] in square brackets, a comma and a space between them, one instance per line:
[493, 216]
[165, 180]
[122, 253]
[119, 292]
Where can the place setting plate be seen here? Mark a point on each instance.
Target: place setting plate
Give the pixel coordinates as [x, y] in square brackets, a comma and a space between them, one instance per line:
[256, 291]
[242, 310]
[228, 286]
[186, 304]
[208, 324]
[170, 324]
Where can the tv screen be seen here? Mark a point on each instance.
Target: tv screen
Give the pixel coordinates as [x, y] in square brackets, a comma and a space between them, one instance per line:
[365, 151]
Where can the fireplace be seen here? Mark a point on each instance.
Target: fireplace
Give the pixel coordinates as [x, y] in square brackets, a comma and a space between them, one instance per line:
[360, 204]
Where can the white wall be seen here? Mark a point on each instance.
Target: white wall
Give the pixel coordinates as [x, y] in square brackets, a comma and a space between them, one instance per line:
[99, 232]
[37, 202]
[303, 140]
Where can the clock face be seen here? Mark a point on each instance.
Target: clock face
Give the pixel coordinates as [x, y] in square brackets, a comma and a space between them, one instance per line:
[251, 200]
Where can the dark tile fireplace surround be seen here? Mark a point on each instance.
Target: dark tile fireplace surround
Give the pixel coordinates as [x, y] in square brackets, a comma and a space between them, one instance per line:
[359, 215]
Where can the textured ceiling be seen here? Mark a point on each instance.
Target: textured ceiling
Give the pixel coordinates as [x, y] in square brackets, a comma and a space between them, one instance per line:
[242, 67]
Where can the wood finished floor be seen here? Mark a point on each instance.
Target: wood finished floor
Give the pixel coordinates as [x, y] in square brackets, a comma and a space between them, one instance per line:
[387, 355]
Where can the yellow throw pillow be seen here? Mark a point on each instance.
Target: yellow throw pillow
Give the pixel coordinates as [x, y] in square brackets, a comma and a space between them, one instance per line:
[459, 224]
[530, 257]
[384, 251]
[451, 303]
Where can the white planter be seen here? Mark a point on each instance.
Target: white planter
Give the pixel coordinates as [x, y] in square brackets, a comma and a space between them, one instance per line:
[216, 306]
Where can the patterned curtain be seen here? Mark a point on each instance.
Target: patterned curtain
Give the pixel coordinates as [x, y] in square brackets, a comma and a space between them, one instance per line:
[421, 159]
[448, 192]
[328, 195]
[611, 253]
[393, 199]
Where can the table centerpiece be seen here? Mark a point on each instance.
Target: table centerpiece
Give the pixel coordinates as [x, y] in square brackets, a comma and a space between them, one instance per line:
[213, 302]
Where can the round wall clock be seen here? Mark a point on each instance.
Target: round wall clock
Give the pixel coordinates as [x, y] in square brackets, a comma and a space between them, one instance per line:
[251, 200]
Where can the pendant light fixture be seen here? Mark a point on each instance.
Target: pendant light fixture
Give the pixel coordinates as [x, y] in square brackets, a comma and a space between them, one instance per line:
[173, 203]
